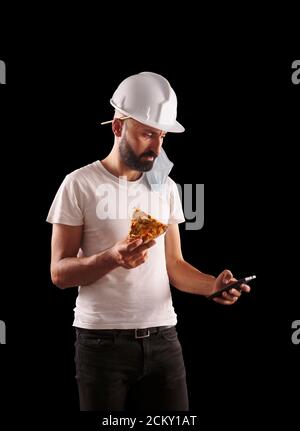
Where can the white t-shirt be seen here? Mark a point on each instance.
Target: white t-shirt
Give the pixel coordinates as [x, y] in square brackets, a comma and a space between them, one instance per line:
[124, 298]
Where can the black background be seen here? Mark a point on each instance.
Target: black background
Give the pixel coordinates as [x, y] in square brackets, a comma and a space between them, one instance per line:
[241, 114]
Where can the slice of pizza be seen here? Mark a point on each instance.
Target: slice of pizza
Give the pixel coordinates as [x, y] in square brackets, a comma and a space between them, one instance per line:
[146, 227]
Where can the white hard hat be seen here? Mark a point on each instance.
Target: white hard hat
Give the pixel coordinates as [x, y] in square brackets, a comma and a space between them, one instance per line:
[148, 98]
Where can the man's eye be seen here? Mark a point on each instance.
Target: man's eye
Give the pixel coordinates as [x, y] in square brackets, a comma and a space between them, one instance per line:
[150, 135]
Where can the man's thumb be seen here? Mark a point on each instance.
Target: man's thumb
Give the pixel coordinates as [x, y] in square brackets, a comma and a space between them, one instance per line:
[227, 276]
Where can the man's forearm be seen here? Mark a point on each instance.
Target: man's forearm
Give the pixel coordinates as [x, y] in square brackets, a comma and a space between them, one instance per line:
[75, 271]
[187, 278]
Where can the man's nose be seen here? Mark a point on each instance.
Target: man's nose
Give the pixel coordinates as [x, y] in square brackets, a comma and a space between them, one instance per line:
[156, 145]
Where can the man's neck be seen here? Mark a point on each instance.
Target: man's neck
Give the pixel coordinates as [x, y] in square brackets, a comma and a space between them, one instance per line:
[117, 168]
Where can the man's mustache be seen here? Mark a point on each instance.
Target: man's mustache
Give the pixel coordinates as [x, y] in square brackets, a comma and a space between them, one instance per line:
[149, 154]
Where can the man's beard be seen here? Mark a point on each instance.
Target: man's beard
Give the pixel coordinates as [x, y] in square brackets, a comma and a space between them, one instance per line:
[137, 163]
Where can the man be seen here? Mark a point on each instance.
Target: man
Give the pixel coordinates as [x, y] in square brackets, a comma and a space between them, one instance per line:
[127, 351]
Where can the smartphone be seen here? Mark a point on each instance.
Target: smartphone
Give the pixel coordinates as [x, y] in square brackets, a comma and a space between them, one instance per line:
[234, 285]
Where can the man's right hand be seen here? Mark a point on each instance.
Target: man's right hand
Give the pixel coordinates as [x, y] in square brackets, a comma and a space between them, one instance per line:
[130, 253]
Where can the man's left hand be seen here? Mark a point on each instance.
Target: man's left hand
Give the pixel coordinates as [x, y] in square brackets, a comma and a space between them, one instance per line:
[230, 297]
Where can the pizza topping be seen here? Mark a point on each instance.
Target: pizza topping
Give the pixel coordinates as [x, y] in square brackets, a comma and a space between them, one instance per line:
[145, 226]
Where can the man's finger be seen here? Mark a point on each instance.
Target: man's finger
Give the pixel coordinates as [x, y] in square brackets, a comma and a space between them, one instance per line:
[143, 247]
[138, 261]
[245, 288]
[223, 301]
[138, 255]
[132, 245]
[147, 245]
[234, 292]
[227, 276]
[230, 297]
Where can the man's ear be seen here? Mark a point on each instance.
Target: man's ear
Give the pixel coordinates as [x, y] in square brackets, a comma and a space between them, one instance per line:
[117, 126]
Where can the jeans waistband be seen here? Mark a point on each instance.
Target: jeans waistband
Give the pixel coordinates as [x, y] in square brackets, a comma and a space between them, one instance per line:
[136, 333]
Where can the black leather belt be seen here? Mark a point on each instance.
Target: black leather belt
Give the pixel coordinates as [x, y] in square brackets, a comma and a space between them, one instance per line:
[145, 332]
[136, 333]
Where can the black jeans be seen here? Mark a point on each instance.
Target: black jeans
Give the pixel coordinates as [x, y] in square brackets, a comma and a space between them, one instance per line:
[117, 371]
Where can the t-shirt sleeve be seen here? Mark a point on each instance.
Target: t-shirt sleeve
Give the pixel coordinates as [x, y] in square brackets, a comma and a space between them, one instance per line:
[66, 208]
[176, 213]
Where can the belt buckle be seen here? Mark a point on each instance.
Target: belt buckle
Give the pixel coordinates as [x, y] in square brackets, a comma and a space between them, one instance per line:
[141, 336]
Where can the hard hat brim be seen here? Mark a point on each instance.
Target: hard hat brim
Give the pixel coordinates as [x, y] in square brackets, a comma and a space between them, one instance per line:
[171, 128]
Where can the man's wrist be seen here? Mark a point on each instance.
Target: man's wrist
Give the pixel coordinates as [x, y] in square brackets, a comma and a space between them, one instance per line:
[107, 259]
[212, 288]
